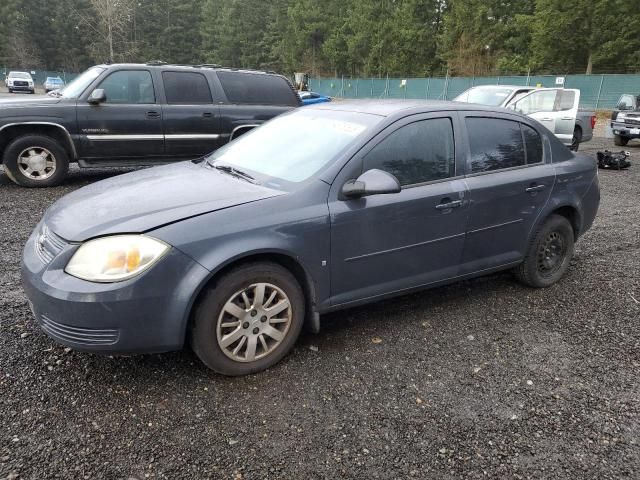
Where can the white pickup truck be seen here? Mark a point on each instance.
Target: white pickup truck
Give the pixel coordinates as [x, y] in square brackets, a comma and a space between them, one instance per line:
[556, 108]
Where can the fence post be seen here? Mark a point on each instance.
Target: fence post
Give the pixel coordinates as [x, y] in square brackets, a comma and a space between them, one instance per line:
[357, 80]
[599, 90]
[371, 87]
[428, 84]
[446, 86]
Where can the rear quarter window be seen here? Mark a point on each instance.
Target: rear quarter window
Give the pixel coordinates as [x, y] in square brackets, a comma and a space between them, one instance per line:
[257, 89]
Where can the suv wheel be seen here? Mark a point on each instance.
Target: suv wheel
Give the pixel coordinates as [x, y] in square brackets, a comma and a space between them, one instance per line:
[36, 161]
[249, 320]
[549, 253]
[620, 141]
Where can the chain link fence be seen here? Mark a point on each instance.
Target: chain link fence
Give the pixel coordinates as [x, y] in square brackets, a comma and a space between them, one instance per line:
[39, 76]
[599, 92]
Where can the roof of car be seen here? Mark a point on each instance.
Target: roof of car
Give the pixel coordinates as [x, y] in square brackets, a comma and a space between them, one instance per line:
[387, 108]
[209, 66]
[531, 87]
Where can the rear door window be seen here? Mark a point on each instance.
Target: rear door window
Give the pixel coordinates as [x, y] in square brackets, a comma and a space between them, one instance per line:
[495, 144]
[419, 152]
[186, 88]
[257, 89]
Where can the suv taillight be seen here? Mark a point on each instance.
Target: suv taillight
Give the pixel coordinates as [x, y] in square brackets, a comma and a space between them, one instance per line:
[593, 122]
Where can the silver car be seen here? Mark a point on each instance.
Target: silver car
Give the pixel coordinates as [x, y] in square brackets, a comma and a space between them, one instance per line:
[556, 108]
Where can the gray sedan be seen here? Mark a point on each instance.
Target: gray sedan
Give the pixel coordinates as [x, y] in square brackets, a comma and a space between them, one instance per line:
[320, 209]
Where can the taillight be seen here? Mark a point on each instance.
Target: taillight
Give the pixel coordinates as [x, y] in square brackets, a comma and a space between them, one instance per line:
[593, 122]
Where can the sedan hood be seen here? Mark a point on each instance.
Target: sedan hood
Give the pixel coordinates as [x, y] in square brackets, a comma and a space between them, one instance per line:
[143, 200]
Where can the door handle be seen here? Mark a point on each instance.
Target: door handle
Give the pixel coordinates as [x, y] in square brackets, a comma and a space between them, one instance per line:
[446, 205]
[153, 114]
[567, 118]
[548, 119]
[535, 188]
[207, 114]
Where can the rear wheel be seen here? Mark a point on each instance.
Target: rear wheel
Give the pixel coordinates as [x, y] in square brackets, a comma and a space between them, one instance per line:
[549, 253]
[249, 320]
[620, 141]
[576, 139]
[36, 161]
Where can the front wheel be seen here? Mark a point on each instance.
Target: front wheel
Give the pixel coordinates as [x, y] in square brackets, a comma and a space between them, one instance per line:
[249, 320]
[620, 141]
[549, 253]
[36, 161]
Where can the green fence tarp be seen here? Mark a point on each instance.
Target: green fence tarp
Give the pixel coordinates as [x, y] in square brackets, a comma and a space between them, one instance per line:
[596, 91]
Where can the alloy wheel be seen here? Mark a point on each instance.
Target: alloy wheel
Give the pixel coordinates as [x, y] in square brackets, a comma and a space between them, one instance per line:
[253, 322]
[37, 163]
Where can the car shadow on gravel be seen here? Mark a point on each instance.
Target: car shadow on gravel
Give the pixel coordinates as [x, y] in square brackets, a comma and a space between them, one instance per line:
[76, 178]
[340, 332]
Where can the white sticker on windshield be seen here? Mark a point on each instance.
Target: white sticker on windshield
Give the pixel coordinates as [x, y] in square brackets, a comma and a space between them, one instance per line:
[347, 128]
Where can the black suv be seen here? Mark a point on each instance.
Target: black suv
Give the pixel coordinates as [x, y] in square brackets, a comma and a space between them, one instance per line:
[136, 114]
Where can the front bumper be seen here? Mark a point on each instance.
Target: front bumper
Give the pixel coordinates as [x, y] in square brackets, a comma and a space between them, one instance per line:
[624, 130]
[147, 313]
[24, 88]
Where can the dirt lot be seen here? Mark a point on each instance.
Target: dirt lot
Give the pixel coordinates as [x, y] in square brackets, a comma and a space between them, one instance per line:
[482, 379]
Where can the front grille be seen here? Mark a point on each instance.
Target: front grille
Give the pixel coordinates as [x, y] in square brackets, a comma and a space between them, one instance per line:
[18, 83]
[632, 121]
[77, 335]
[48, 244]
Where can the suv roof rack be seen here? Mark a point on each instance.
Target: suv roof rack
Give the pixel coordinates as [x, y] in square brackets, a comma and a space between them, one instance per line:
[160, 63]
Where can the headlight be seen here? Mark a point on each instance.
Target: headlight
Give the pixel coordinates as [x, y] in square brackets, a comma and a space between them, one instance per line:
[115, 258]
[621, 117]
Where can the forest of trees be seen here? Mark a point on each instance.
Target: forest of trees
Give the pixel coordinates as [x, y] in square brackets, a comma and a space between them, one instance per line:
[329, 37]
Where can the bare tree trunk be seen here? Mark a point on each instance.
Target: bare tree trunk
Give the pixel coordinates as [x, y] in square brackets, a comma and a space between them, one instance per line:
[110, 22]
[590, 64]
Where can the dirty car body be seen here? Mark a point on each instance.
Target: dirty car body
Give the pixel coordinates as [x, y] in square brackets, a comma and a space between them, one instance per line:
[306, 208]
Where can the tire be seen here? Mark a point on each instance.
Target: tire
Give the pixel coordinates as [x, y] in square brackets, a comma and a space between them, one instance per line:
[620, 141]
[576, 139]
[208, 330]
[51, 166]
[10, 91]
[540, 267]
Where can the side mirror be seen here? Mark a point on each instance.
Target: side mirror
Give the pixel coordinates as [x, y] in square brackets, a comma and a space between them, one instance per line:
[371, 182]
[97, 97]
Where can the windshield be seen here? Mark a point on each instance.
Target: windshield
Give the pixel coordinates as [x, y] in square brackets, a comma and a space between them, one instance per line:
[77, 86]
[485, 96]
[296, 146]
[19, 75]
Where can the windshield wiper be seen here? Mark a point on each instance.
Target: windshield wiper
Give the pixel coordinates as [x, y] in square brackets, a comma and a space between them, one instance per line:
[235, 172]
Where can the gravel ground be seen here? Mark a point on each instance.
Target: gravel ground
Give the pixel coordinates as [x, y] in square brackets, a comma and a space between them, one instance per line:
[482, 379]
